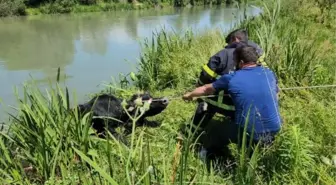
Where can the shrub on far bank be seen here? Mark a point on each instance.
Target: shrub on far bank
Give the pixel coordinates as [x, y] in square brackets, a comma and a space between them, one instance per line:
[18, 7]
[58, 6]
[12, 7]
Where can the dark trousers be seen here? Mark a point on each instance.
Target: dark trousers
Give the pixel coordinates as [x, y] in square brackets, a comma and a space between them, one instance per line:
[204, 113]
[219, 135]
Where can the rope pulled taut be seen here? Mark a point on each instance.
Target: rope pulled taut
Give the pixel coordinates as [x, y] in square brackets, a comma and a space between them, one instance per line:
[308, 87]
[208, 96]
[282, 89]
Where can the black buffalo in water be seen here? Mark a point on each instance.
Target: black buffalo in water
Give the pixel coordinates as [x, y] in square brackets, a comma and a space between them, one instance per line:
[107, 110]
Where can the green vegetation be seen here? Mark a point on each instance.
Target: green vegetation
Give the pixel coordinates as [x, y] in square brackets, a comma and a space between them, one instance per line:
[34, 7]
[9, 8]
[48, 144]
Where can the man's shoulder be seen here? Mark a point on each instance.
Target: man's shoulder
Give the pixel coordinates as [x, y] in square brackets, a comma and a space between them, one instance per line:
[237, 75]
[256, 46]
[231, 76]
[228, 76]
[268, 70]
[221, 53]
[265, 71]
[223, 81]
[250, 72]
[226, 50]
[263, 68]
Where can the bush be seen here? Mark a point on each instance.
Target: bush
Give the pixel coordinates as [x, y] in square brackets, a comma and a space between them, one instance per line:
[12, 7]
[58, 6]
[88, 2]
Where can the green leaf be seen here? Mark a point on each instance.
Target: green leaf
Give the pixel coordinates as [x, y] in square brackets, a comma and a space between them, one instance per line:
[133, 77]
[124, 103]
[333, 158]
[5, 151]
[138, 101]
[96, 167]
[326, 160]
[147, 105]
[93, 153]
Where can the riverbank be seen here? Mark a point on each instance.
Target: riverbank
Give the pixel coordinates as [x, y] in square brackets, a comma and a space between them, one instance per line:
[31, 7]
[38, 7]
[298, 48]
[99, 7]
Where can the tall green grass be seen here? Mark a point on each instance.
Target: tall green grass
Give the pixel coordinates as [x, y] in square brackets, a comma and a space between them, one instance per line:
[173, 60]
[47, 143]
[289, 52]
[293, 49]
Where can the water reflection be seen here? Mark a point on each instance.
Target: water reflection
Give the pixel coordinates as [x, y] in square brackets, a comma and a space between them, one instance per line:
[36, 44]
[90, 48]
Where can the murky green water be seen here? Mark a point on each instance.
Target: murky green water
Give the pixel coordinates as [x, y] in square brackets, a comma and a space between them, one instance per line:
[90, 48]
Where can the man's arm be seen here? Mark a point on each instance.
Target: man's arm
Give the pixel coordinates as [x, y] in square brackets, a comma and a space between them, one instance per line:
[200, 91]
[207, 89]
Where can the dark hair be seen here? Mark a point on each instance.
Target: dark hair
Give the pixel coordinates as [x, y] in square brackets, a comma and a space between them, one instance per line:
[241, 34]
[246, 53]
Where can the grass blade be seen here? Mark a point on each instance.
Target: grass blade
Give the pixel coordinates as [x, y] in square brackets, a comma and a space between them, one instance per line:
[96, 167]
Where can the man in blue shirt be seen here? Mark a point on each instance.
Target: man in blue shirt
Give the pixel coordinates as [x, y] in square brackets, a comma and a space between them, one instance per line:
[254, 92]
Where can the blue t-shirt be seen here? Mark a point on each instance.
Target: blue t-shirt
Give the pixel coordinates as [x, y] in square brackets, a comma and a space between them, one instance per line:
[253, 89]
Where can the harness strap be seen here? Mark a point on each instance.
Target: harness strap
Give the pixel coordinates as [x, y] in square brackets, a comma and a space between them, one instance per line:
[219, 103]
[221, 95]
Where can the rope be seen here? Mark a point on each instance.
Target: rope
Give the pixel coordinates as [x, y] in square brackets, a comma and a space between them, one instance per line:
[282, 89]
[179, 97]
[308, 87]
[208, 96]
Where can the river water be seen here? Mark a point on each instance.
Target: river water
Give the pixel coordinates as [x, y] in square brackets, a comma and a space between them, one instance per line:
[90, 48]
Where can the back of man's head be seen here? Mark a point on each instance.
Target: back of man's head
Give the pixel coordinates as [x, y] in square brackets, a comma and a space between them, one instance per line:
[240, 34]
[246, 54]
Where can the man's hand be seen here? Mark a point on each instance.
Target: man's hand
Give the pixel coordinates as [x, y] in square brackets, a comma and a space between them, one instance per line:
[187, 97]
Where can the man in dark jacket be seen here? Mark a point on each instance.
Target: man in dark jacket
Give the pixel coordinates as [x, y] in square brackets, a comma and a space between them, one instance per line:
[219, 64]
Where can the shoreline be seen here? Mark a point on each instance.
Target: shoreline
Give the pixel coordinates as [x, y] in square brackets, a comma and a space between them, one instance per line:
[17, 9]
[49, 8]
[101, 7]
